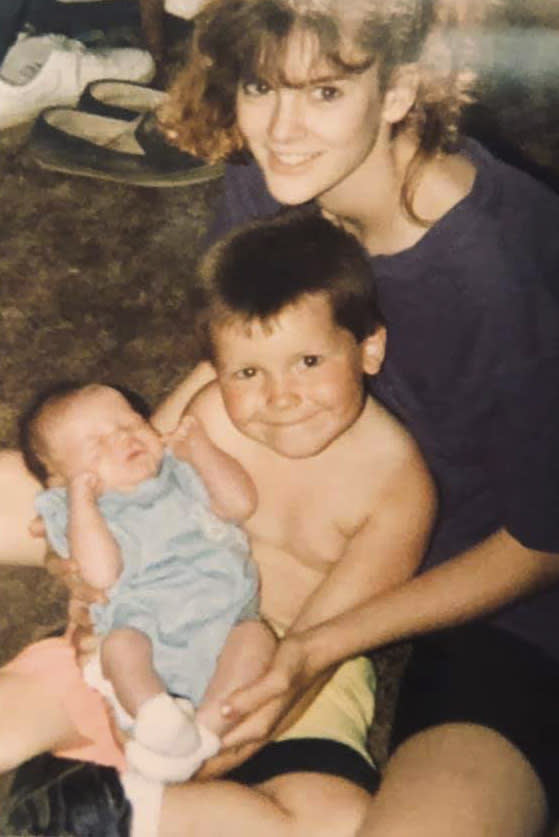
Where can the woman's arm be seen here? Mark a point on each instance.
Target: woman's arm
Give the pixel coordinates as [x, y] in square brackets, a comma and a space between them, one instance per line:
[495, 572]
[17, 493]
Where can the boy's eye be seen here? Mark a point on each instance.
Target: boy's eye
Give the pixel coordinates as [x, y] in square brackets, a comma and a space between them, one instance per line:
[245, 374]
[311, 360]
[256, 87]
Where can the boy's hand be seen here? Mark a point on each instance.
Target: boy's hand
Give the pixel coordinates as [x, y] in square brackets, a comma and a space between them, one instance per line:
[259, 709]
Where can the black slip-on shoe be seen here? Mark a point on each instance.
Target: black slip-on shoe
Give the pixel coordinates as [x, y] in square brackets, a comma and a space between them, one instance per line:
[119, 99]
[57, 797]
[71, 141]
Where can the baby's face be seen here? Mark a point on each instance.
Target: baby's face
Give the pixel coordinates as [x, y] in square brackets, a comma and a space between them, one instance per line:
[97, 431]
[297, 385]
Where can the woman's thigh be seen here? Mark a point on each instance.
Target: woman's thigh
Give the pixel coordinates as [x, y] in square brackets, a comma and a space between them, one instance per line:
[481, 675]
[462, 780]
[293, 805]
[475, 737]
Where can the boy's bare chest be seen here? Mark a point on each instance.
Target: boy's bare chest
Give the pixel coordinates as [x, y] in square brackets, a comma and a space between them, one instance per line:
[305, 512]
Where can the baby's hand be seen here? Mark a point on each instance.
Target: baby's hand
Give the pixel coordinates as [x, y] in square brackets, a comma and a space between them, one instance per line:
[85, 486]
[187, 433]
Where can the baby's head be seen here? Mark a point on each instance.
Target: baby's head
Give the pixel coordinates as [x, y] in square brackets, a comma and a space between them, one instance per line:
[291, 321]
[73, 428]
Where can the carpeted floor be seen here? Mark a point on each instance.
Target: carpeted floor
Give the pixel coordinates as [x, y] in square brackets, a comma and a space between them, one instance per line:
[94, 283]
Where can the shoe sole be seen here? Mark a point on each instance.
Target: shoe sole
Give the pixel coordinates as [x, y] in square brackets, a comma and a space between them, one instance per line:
[204, 174]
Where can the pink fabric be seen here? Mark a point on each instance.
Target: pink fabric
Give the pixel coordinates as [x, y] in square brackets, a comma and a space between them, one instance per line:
[53, 662]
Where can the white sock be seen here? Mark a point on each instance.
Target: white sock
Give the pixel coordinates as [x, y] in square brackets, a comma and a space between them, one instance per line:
[145, 796]
[167, 727]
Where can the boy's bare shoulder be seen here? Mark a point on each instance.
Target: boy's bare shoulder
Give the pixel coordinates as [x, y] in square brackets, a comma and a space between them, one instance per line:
[385, 435]
[207, 405]
[390, 451]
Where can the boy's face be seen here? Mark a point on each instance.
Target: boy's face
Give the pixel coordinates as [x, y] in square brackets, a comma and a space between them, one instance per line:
[97, 431]
[297, 384]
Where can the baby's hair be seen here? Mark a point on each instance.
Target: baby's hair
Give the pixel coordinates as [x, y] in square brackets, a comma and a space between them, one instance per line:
[31, 441]
[260, 269]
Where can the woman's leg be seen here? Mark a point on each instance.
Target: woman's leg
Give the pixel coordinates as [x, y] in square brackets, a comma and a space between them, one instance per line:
[17, 492]
[32, 721]
[294, 805]
[476, 740]
[462, 780]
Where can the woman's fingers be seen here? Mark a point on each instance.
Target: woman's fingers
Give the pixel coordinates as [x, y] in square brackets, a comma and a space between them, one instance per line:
[250, 699]
[60, 568]
[257, 727]
[37, 527]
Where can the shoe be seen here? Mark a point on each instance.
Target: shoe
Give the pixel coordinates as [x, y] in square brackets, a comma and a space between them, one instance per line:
[120, 99]
[38, 71]
[135, 152]
[186, 9]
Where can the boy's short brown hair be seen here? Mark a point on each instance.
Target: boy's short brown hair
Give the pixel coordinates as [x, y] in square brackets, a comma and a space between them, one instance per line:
[258, 270]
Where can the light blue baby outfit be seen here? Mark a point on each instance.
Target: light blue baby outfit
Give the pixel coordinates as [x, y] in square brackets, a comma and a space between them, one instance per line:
[187, 575]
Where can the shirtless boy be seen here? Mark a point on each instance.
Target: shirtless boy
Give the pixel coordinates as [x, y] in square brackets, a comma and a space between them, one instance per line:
[291, 326]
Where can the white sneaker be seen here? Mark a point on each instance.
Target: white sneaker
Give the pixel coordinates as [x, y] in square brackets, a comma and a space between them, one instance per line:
[183, 8]
[39, 71]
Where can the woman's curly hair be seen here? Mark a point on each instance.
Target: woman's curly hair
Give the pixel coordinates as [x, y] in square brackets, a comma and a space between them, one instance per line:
[240, 40]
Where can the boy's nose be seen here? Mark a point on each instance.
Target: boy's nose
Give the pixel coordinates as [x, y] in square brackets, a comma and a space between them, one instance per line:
[281, 395]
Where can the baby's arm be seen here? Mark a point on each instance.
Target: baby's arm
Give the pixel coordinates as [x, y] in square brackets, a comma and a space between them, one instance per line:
[231, 490]
[91, 543]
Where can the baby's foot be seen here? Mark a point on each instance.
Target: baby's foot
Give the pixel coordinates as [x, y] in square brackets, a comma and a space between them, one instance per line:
[168, 744]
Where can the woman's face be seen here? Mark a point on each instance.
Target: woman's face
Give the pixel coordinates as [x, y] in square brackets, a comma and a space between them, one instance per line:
[313, 137]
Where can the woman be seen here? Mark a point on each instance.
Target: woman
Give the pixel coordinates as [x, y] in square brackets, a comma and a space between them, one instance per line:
[356, 106]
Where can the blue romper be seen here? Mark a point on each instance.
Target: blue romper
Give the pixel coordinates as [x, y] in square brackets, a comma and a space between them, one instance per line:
[187, 576]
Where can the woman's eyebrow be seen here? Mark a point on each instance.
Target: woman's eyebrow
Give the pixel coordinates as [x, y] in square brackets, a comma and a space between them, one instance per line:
[315, 81]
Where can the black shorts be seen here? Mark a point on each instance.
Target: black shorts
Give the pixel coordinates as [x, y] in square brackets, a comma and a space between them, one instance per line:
[481, 674]
[307, 755]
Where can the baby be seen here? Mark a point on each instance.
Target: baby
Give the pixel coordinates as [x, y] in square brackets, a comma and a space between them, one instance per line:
[152, 524]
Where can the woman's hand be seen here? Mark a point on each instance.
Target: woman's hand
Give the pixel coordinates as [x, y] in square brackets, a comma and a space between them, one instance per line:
[79, 630]
[275, 700]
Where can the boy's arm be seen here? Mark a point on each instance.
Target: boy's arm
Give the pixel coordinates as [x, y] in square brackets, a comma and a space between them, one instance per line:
[382, 556]
[384, 553]
[91, 543]
[231, 490]
[169, 412]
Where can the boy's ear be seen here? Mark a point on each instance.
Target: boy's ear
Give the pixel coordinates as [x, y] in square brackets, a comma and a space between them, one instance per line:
[401, 93]
[373, 348]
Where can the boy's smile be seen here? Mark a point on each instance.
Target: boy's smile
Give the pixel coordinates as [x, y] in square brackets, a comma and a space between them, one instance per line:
[296, 383]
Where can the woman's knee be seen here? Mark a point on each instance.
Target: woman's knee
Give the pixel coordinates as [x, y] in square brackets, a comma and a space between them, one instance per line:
[459, 779]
